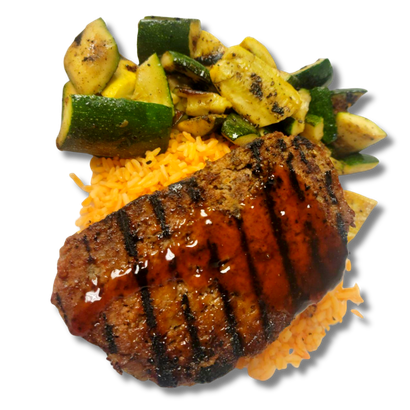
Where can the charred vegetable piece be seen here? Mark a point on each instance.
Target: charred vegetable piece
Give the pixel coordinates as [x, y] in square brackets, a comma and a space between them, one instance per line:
[354, 134]
[173, 61]
[111, 127]
[202, 103]
[159, 34]
[343, 99]
[208, 49]
[92, 59]
[201, 125]
[255, 89]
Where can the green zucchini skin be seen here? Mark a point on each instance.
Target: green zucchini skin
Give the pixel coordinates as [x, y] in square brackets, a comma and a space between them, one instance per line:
[113, 127]
[159, 34]
[355, 163]
[321, 105]
[174, 61]
[235, 127]
[318, 74]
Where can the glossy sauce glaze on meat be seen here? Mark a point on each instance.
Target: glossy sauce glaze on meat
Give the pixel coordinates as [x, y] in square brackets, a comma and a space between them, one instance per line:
[178, 285]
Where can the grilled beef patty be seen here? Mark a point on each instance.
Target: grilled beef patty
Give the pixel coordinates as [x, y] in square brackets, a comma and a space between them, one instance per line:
[178, 285]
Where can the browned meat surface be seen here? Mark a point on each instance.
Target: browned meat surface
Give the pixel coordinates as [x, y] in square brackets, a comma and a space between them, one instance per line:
[177, 285]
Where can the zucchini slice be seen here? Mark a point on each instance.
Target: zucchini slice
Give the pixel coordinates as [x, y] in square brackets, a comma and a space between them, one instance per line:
[354, 134]
[152, 84]
[174, 61]
[159, 34]
[238, 130]
[321, 105]
[113, 127]
[354, 163]
[259, 50]
[295, 124]
[122, 83]
[313, 128]
[92, 58]
[255, 89]
[208, 49]
[201, 125]
[344, 98]
[318, 74]
[202, 102]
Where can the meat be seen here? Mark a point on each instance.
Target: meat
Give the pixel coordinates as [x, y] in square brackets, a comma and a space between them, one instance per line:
[178, 285]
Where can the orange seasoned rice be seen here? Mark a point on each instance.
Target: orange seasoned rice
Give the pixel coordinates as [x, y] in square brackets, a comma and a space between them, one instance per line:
[115, 182]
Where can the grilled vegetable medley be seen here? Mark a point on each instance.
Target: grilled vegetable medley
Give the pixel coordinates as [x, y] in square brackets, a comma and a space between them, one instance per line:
[188, 80]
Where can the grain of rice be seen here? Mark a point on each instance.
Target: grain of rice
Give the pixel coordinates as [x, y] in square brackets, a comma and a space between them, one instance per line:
[116, 182]
[357, 313]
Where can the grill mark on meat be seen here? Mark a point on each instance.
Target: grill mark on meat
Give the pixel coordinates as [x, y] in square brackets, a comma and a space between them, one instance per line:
[316, 259]
[255, 146]
[193, 190]
[60, 304]
[341, 227]
[297, 145]
[328, 184]
[235, 337]
[199, 353]
[109, 335]
[160, 214]
[163, 366]
[210, 373]
[129, 239]
[293, 177]
[257, 288]
[277, 230]
[86, 242]
[281, 144]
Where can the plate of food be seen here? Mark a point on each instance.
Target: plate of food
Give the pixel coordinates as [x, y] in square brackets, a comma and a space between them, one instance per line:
[221, 199]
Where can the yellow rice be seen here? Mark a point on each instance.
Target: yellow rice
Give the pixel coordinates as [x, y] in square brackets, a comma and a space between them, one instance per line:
[115, 182]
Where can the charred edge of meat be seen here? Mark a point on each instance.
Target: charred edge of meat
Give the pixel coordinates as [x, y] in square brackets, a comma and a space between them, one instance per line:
[60, 304]
[213, 372]
[110, 336]
[193, 190]
[341, 227]
[328, 183]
